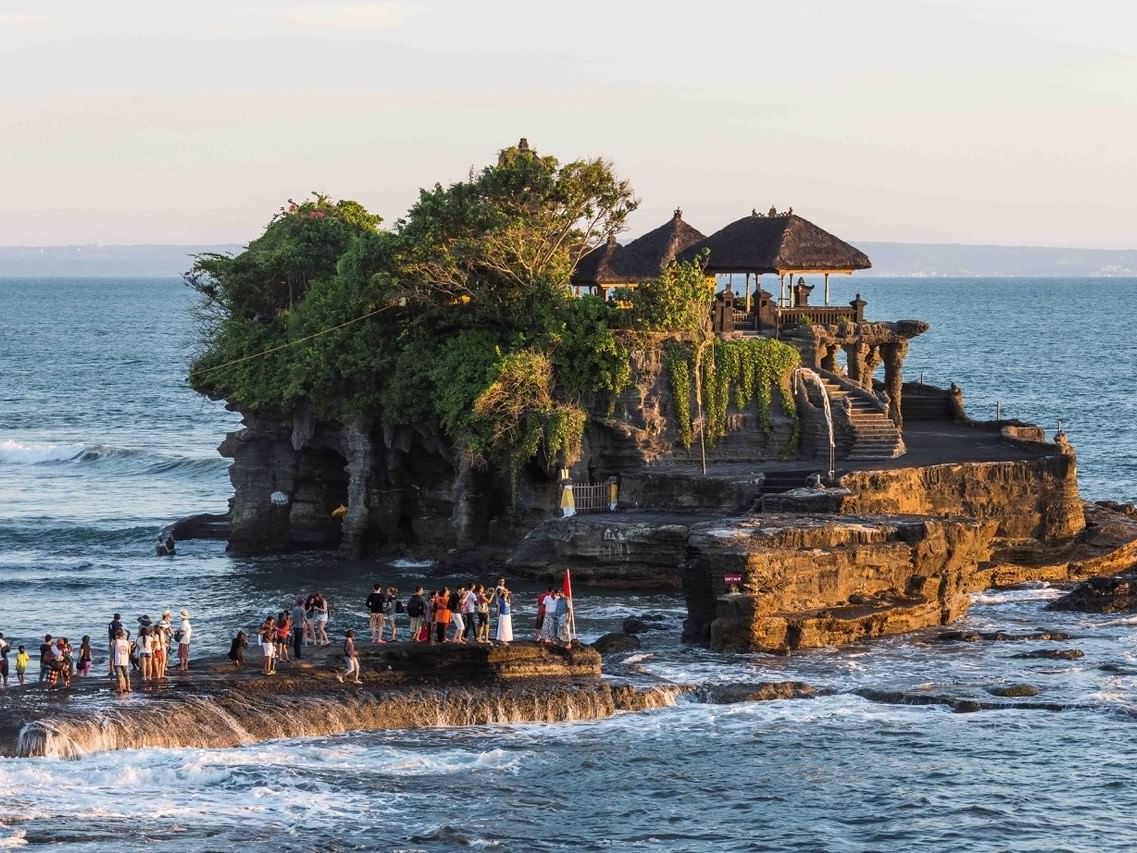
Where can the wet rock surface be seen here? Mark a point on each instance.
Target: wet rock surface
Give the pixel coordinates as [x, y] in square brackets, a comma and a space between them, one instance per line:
[764, 691]
[615, 643]
[1052, 654]
[999, 636]
[1014, 691]
[1113, 594]
[216, 705]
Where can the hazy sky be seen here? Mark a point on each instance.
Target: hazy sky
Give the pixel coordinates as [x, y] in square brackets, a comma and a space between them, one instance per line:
[981, 121]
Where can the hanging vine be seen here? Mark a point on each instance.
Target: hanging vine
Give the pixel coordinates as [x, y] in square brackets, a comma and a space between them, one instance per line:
[678, 360]
[742, 372]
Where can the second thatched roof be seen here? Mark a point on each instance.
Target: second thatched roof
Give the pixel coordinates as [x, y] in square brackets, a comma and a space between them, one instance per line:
[641, 259]
[777, 243]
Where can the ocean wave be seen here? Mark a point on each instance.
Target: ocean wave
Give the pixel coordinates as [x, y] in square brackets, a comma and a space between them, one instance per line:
[124, 460]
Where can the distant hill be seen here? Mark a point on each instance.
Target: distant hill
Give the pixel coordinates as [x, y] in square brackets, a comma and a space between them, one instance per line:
[900, 259]
[950, 259]
[101, 261]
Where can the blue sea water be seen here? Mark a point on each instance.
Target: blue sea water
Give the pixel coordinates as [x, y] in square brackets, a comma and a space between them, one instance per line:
[102, 443]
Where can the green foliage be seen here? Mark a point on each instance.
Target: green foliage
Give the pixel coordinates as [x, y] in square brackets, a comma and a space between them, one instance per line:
[508, 238]
[740, 371]
[677, 358]
[678, 301]
[587, 356]
[844, 325]
[459, 320]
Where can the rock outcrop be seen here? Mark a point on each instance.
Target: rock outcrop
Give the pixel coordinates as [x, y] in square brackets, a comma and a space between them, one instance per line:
[1028, 498]
[810, 581]
[1113, 594]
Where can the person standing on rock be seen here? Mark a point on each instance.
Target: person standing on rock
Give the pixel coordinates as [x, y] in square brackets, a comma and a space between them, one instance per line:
[185, 632]
[415, 609]
[393, 608]
[469, 609]
[113, 628]
[504, 614]
[4, 647]
[442, 615]
[299, 627]
[377, 608]
[548, 632]
[482, 605]
[542, 613]
[457, 598]
[320, 617]
[120, 660]
[267, 636]
[350, 659]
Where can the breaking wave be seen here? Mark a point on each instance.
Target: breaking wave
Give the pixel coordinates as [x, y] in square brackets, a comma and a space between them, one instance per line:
[113, 459]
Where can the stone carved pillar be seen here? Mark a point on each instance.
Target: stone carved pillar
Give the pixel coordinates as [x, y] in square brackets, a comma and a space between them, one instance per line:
[856, 360]
[828, 358]
[872, 362]
[894, 378]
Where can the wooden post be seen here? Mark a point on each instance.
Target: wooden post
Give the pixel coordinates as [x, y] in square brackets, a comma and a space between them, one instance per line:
[747, 285]
[826, 288]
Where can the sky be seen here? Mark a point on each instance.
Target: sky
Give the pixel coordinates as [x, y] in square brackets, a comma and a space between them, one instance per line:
[970, 121]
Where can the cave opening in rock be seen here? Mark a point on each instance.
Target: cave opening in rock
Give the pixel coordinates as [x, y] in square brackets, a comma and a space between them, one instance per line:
[320, 501]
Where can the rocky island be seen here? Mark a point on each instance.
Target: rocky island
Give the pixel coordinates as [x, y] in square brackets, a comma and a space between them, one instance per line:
[498, 378]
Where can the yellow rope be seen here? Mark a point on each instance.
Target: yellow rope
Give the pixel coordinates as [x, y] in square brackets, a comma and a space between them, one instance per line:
[289, 343]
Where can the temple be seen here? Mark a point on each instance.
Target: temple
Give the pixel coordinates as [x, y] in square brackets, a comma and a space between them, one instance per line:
[838, 342]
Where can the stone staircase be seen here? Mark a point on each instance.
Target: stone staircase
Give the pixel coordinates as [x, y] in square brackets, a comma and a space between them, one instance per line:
[871, 432]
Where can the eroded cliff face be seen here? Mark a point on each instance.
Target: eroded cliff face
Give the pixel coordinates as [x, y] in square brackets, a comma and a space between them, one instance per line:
[813, 580]
[366, 486]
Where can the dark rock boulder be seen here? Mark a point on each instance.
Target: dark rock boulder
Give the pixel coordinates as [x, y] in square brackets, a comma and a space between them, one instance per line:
[616, 643]
[1111, 594]
[646, 622]
[1053, 654]
[998, 636]
[1014, 691]
[763, 691]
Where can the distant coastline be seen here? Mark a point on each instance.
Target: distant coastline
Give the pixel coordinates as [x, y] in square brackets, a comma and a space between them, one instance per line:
[921, 260]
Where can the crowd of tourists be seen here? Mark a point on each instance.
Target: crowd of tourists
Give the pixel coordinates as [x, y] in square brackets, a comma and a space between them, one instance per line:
[146, 653]
[468, 613]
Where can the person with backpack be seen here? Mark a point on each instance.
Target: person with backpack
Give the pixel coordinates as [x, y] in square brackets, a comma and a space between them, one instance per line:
[416, 607]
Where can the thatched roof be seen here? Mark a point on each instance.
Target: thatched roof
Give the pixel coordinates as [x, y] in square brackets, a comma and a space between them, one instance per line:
[641, 259]
[775, 243]
[599, 265]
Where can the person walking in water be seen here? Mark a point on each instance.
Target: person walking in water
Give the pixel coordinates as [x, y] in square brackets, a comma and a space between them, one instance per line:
[377, 610]
[184, 634]
[350, 659]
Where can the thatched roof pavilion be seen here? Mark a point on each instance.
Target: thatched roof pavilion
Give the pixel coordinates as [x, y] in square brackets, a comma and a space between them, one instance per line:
[778, 243]
[612, 265]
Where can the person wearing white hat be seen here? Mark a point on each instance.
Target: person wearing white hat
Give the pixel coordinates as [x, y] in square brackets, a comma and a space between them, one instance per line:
[184, 633]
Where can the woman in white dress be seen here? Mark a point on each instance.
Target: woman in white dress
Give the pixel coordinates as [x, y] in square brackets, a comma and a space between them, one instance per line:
[504, 616]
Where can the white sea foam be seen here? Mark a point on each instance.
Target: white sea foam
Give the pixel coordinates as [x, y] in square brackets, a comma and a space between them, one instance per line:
[13, 452]
[1039, 592]
[412, 564]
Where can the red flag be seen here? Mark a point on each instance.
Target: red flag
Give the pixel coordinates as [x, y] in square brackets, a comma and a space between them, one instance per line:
[567, 588]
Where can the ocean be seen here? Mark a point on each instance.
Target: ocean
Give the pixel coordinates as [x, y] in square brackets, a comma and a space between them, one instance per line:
[102, 443]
